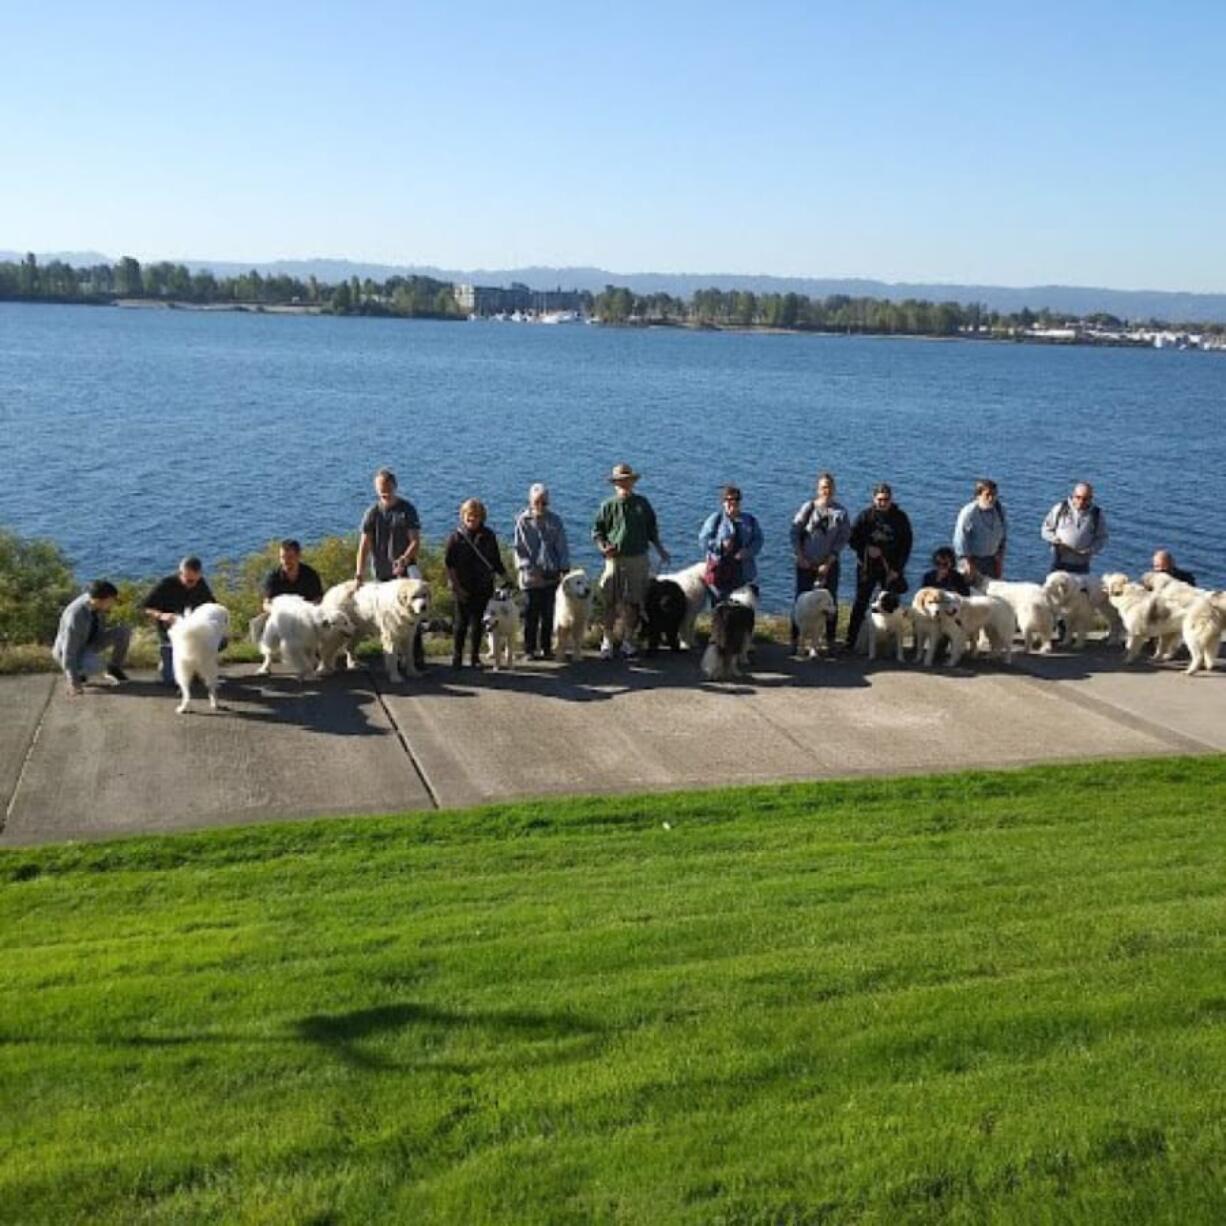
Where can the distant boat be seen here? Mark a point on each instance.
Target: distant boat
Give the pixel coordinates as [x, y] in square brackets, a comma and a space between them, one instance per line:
[560, 317]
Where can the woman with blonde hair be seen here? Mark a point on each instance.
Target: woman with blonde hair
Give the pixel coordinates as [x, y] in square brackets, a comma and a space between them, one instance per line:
[472, 560]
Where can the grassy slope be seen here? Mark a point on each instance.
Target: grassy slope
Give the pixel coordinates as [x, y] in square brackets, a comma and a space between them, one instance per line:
[986, 995]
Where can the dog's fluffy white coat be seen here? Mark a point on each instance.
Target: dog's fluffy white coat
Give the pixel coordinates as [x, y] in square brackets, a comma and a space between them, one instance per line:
[390, 610]
[196, 642]
[299, 631]
[572, 611]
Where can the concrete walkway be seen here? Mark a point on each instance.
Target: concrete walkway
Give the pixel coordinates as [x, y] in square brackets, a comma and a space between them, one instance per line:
[119, 761]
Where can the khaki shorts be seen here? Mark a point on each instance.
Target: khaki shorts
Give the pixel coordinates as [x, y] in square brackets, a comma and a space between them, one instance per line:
[624, 581]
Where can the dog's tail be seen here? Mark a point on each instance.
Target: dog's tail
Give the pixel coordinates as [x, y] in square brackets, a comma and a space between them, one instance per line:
[716, 666]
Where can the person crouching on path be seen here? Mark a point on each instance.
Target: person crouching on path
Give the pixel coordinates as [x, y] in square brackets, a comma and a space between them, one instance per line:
[820, 531]
[979, 534]
[169, 600]
[83, 636]
[391, 538]
[731, 539]
[881, 540]
[291, 577]
[542, 558]
[472, 560]
[625, 525]
[944, 573]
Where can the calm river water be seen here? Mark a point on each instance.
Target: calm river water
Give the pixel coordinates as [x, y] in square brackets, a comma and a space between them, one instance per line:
[131, 437]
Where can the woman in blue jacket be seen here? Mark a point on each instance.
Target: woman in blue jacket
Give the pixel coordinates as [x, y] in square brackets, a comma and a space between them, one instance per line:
[731, 539]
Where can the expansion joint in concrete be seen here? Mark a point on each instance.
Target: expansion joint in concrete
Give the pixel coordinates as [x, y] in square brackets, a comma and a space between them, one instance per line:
[404, 742]
[25, 761]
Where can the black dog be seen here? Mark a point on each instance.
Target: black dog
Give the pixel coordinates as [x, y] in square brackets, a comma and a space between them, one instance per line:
[731, 633]
[663, 612]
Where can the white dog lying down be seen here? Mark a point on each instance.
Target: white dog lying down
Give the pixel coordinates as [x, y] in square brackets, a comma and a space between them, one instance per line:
[933, 611]
[1204, 623]
[571, 612]
[196, 639]
[1146, 615]
[690, 582]
[391, 610]
[500, 621]
[888, 621]
[1031, 609]
[988, 616]
[810, 613]
[298, 631]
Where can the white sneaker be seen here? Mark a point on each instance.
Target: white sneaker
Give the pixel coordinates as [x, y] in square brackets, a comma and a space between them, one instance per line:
[606, 649]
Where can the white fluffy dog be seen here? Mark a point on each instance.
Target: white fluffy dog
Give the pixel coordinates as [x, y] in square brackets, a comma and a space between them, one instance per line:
[810, 613]
[988, 616]
[1069, 597]
[933, 611]
[298, 630]
[1146, 615]
[1031, 609]
[391, 610]
[500, 622]
[1204, 623]
[690, 582]
[888, 622]
[571, 612]
[196, 639]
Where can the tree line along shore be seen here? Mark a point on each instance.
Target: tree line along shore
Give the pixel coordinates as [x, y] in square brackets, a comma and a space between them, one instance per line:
[418, 297]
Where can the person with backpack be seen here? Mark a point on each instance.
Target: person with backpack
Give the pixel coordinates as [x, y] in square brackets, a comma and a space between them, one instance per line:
[820, 531]
[1076, 530]
[979, 534]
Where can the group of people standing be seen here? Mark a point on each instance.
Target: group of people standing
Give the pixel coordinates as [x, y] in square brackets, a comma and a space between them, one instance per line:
[625, 529]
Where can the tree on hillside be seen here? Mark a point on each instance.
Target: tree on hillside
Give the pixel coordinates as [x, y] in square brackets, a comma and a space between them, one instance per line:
[128, 282]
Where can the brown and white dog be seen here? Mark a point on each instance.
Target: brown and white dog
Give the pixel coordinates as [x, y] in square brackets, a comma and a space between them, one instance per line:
[933, 614]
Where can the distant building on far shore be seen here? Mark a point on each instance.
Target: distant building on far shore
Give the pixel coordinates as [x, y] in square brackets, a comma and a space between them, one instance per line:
[499, 300]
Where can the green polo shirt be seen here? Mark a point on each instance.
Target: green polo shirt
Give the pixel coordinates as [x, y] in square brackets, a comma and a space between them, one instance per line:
[627, 523]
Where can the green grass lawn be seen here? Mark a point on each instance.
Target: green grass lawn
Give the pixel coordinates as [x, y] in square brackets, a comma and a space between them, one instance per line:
[989, 996]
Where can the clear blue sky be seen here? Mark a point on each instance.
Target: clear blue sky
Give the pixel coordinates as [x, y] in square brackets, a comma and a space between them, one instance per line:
[1072, 143]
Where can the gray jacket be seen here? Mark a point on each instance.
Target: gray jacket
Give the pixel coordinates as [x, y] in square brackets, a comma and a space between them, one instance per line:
[1074, 534]
[820, 532]
[540, 549]
[72, 639]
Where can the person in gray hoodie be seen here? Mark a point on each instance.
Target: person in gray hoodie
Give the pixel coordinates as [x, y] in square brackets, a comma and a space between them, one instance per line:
[820, 531]
[1076, 530]
[542, 557]
[83, 636]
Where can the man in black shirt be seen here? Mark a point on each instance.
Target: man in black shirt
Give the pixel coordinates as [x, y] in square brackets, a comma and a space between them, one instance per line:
[881, 540]
[293, 577]
[170, 599]
[1164, 563]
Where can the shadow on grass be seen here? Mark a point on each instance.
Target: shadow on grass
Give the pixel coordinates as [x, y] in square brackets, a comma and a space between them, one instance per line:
[563, 1036]
[342, 1033]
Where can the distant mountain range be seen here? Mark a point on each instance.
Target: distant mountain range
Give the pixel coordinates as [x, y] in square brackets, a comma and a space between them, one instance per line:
[1071, 299]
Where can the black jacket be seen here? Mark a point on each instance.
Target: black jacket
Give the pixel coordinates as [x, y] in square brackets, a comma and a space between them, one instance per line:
[889, 530]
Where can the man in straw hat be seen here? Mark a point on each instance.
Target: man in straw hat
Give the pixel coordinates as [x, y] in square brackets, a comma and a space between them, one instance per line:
[625, 526]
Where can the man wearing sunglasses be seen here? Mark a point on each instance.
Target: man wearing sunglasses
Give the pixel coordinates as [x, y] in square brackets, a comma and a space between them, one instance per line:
[1076, 530]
